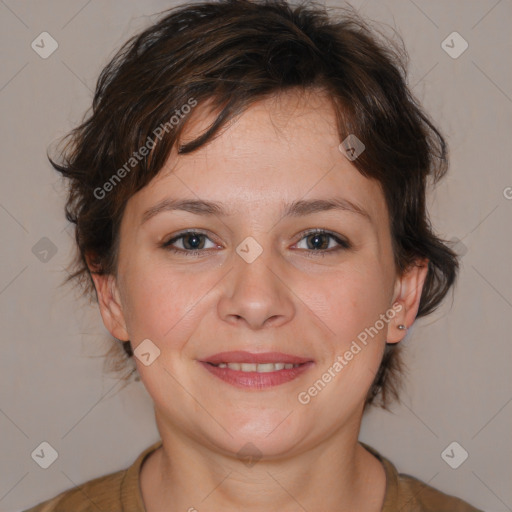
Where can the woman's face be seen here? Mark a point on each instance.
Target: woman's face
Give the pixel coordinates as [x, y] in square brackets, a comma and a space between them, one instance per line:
[258, 283]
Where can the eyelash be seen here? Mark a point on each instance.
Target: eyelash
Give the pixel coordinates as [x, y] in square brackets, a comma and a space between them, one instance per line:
[342, 244]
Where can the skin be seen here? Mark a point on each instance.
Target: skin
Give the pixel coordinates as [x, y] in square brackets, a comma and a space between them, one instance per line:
[281, 149]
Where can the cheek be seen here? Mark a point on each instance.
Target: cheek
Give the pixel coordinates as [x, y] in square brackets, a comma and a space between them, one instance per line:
[349, 299]
[158, 301]
[351, 305]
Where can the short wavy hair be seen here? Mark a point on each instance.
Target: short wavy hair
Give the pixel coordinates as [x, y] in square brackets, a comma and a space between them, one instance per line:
[232, 53]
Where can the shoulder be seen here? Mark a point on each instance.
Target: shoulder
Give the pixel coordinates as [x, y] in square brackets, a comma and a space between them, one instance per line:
[419, 496]
[115, 492]
[103, 493]
[405, 492]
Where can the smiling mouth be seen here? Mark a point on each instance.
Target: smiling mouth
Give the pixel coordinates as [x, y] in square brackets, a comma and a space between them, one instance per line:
[259, 368]
[256, 372]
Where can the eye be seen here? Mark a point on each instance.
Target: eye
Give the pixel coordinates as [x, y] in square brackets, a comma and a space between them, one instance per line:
[317, 241]
[192, 243]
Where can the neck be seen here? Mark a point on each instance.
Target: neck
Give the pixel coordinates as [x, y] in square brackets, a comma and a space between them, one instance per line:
[335, 475]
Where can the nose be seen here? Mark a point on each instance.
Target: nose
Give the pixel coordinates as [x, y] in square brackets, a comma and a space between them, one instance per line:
[256, 294]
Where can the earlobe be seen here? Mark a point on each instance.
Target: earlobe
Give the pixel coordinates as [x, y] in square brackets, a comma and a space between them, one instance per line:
[110, 305]
[408, 291]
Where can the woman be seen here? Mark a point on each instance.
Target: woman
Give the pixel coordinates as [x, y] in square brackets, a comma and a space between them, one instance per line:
[249, 201]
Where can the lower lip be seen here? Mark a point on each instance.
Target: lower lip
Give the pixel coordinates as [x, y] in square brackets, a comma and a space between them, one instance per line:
[255, 380]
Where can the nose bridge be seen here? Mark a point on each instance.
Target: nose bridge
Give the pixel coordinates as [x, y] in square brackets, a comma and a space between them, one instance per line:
[253, 262]
[256, 292]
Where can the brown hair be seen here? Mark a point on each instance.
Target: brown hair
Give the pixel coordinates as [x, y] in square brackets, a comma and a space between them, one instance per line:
[231, 53]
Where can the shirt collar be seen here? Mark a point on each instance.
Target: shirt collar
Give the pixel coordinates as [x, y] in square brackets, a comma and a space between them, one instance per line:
[391, 494]
[131, 494]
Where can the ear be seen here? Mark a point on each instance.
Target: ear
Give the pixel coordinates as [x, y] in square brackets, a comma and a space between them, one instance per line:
[110, 305]
[407, 295]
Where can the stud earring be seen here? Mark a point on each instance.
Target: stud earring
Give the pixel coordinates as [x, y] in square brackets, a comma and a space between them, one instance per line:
[402, 327]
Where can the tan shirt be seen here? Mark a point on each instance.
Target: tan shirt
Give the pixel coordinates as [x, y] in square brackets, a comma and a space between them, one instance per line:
[120, 492]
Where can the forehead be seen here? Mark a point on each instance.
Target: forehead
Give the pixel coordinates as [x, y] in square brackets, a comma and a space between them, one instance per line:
[279, 150]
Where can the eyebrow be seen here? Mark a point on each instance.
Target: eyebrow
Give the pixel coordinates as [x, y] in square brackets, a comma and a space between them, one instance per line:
[297, 208]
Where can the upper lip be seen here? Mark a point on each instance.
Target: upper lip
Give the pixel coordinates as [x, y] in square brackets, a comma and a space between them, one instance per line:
[240, 356]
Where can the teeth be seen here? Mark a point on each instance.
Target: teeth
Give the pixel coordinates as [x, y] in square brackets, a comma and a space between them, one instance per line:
[260, 368]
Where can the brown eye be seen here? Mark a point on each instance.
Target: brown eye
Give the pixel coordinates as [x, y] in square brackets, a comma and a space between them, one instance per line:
[323, 241]
[192, 242]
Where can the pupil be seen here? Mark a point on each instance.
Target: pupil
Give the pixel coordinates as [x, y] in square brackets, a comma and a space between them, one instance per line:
[315, 239]
[194, 244]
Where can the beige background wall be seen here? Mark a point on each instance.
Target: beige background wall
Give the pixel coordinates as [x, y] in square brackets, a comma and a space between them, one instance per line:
[52, 387]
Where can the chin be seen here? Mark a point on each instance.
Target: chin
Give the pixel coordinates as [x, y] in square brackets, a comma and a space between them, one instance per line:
[261, 435]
